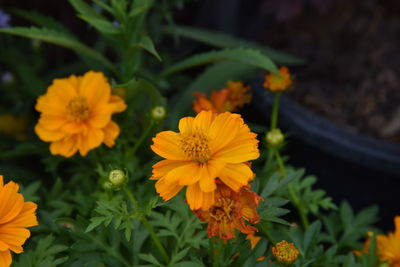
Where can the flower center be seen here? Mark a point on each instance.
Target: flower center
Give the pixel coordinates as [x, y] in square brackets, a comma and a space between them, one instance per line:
[195, 146]
[78, 109]
[223, 210]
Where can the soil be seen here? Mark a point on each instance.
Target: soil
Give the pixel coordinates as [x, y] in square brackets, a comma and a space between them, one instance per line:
[352, 75]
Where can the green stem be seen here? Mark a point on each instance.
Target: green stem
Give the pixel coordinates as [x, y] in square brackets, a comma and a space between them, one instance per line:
[218, 253]
[211, 250]
[143, 137]
[275, 109]
[294, 198]
[148, 226]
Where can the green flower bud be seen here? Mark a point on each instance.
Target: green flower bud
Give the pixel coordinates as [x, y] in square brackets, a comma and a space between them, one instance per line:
[107, 185]
[274, 137]
[158, 113]
[117, 177]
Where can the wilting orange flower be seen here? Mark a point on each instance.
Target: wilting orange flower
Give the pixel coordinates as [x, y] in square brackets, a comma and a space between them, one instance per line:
[15, 216]
[76, 114]
[285, 252]
[207, 146]
[230, 211]
[274, 82]
[234, 96]
[388, 246]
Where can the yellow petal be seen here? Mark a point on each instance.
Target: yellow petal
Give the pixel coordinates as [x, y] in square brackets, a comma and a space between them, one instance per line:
[162, 167]
[92, 139]
[118, 104]
[10, 202]
[167, 145]
[5, 258]
[100, 116]
[186, 125]
[223, 130]
[48, 135]
[26, 218]
[206, 179]
[186, 174]
[166, 190]
[111, 132]
[194, 196]
[203, 120]
[95, 88]
[236, 175]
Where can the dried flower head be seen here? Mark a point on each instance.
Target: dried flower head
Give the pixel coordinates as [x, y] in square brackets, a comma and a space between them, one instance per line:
[230, 211]
[15, 216]
[76, 114]
[206, 147]
[285, 252]
[282, 82]
[231, 98]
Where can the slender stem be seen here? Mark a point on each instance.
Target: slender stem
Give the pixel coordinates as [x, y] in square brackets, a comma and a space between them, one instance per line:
[275, 109]
[294, 198]
[211, 250]
[143, 137]
[218, 253]
[148, 226]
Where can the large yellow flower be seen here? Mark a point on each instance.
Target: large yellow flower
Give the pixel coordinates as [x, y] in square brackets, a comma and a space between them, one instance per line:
[76, 114]
[389, 245]
[207, 146]
[15, 216]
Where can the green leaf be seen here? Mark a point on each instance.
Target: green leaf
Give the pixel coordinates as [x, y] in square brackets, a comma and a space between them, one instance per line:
[84, 9]
[95, 221]
[61, 39]
[147, 44]
[275, 182]
[246, 56]
[226, 41]
[102, 25]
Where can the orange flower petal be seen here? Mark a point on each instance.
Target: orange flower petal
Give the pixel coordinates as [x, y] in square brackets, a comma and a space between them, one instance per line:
[5, 258]
[118, 104]
[167, 145]
[111, 131]
[194, 196]
[166, 190]
[236, 175]
[162, 167]
[48, 135]
[186, 125]
[95, 88]
[185, 174]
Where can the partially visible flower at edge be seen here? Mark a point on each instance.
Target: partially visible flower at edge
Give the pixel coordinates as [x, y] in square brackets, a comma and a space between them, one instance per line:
[15, 216]
[76, 114]
[285, 252]
[206, 147]
[4, 19]
[230, 211]
[388, 246]
[231, 98]
[276, 83]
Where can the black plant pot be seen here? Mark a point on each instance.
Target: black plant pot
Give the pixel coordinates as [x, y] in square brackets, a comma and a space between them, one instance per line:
[350, 166]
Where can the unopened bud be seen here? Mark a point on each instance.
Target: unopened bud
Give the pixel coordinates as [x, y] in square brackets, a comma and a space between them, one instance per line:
[107, 185]
[117, 177]
[158, 113]
[274, 137]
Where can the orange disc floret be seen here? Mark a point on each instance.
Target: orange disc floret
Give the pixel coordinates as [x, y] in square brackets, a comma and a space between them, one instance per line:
[282, 82]
[206, 147]
[231, 98]
[230, 211]
[75, 114]
[285, 252]
[15, 216]
[388, 246]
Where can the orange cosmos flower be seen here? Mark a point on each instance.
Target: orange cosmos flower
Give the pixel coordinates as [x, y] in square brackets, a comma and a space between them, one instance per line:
[207, 146]
[275, 83]
[388, 246]
[15, 216]
[76, 114]
[230, 211]
[234, 96]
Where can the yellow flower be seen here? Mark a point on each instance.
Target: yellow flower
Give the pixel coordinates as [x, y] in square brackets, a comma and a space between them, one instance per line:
[231, 98]
[230, 211]
[76, 114]
[15, 216]
[275, 83]
[207, 146]
[388, 246]
[285, 252]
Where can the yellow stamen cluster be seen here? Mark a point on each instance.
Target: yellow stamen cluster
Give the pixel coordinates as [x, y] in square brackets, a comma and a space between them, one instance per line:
[285, 252]
[195, 145]
[78, 109]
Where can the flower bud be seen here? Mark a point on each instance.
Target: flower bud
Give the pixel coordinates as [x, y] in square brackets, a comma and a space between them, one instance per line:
[158, 113]
[117, 177]
[274, 137]
[285, 252]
